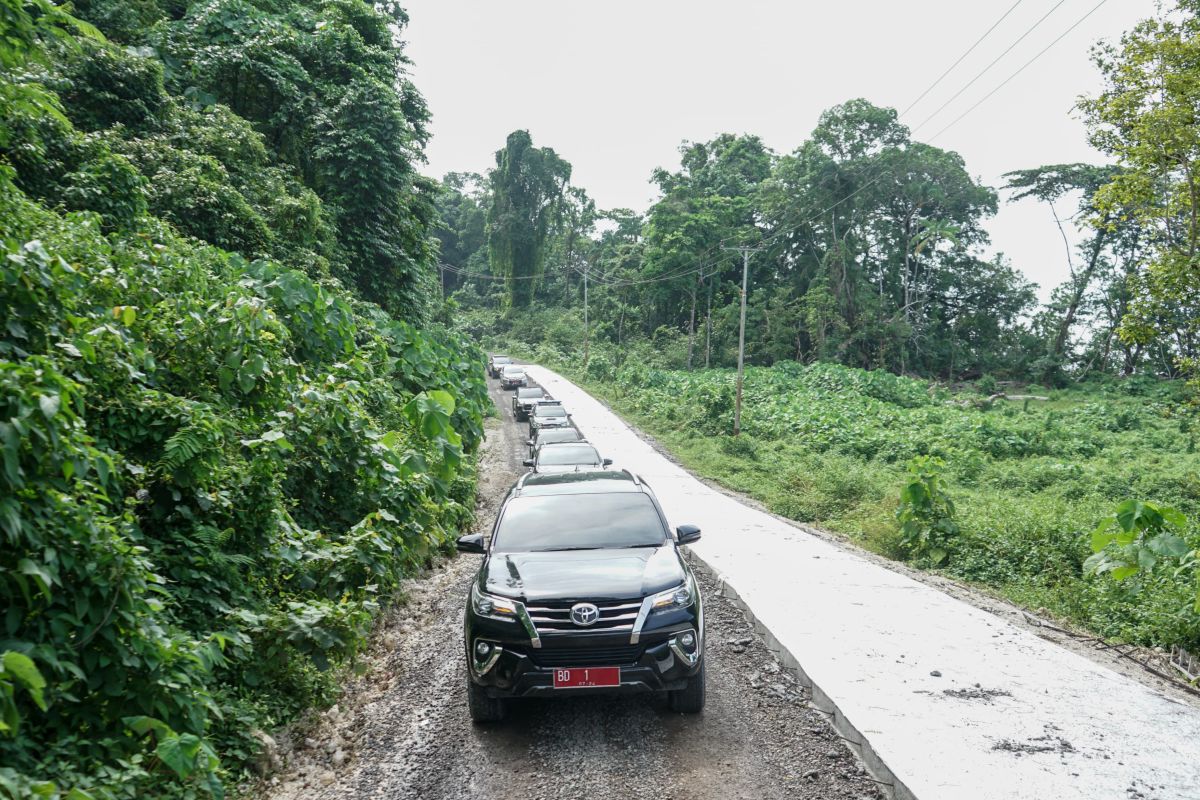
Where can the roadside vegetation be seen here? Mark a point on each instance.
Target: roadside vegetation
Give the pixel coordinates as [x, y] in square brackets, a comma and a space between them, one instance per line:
[1028, 481]
[229, 422]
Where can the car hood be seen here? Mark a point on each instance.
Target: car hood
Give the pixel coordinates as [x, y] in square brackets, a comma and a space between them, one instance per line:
[583, 574]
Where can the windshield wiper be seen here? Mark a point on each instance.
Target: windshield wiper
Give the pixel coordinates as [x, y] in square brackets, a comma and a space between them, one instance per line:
[646, 544]
[564, 549]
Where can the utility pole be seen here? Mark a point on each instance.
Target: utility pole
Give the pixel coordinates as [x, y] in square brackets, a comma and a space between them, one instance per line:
[737, 407]
[708, 318]
[586, 329]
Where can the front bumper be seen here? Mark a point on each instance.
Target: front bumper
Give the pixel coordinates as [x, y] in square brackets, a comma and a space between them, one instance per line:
[515, 669]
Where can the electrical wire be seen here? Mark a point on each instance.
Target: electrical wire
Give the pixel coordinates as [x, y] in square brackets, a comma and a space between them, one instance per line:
[762, 241]
[991, 64]
[1006, 81]
[968, 52]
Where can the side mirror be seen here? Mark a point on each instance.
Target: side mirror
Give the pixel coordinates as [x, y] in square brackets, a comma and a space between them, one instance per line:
[685, 534]
[471, 543]
[528, 462]
[529, 442]
[607, 462]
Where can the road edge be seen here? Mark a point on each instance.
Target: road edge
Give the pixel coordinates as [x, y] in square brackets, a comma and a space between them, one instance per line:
[820, 701]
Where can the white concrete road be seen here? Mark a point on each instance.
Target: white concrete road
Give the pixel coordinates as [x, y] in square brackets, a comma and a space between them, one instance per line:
[947, 701]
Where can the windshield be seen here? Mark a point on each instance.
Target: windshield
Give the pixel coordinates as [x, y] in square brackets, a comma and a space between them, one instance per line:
[552, 411]
[501, 360]
[523, 393]
[579, 522]
[513, 371]
[548, 437]
[561, 454]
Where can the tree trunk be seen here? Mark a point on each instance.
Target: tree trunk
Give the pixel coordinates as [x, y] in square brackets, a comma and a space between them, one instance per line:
[1081, 284]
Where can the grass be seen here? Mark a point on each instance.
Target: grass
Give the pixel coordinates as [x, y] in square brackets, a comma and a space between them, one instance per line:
[829, 445]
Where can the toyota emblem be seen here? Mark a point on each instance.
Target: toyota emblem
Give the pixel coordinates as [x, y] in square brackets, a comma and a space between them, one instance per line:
[584, 614]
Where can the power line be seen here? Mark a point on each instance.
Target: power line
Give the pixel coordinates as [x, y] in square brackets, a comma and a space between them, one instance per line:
[933, 138]
[993, 63]
[623, 282]
[968, 52]
[1006, 81]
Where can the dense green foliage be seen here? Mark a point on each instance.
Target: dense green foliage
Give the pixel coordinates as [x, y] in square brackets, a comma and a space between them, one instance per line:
[869, 255]
[1027, 481]
[217, 463]
[1145, 118]
[526, 189]
[270, 128]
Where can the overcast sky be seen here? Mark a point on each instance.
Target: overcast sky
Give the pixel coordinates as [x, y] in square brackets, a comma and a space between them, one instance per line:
[614, 86]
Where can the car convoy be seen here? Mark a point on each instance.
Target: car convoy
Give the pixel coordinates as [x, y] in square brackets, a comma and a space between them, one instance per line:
[583, 588]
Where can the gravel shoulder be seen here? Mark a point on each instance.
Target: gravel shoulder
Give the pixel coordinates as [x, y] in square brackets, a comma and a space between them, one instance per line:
[401, 729]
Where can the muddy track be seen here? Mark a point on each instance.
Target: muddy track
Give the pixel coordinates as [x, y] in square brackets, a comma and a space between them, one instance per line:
[402, 729]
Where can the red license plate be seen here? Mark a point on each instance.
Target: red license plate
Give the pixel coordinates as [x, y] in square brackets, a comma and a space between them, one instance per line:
[578, 677]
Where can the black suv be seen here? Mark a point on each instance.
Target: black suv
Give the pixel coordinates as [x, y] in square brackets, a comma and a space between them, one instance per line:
[582, 590]
[569, 457]
[552, 436]
[524, 401]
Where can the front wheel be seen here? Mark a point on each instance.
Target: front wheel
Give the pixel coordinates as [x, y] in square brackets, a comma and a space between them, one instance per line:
[689, 699]
[484, 709]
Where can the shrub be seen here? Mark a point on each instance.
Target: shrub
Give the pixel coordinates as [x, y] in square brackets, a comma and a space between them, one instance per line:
[926, 513]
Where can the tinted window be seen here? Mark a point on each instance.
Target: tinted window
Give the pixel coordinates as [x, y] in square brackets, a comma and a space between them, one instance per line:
[501, 360]
[552, 411]
[569, 454]
[529, 392]
[547, 437]
[579, 521]
[513, 371]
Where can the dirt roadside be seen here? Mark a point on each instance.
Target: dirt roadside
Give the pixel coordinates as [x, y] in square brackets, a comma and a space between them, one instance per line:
[401, 730]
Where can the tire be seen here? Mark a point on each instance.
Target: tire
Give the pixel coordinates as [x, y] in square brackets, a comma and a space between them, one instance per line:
[484, 710]
[689, 699]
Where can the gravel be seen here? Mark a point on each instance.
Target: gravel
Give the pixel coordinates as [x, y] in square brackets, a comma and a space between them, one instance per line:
[401, 729]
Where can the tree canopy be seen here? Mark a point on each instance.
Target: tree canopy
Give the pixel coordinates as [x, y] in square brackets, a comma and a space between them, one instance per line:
[527, 193]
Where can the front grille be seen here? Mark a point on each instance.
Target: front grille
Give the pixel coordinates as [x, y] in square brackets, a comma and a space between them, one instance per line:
[553, 617]
[586, 656]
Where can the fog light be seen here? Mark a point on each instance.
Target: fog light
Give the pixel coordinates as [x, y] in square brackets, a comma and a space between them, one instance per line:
[482, 649]
[688, 640]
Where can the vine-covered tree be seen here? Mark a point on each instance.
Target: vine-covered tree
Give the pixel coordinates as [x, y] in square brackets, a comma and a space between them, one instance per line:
[527, 190]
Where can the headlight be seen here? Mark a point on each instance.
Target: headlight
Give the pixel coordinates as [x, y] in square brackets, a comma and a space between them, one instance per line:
[492, 606]
[672, 599]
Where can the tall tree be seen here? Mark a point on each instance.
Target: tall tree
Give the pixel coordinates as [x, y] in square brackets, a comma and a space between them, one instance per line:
[1146, 118]
[527, 190]
[863, 222]
[1049, 184]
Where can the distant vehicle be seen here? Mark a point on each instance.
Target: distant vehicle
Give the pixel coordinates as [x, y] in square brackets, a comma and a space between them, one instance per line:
[512, 376]
[552, 436]
[582, 590]
[524, 401]
[549, 414]
[572, 457]
[497, 363]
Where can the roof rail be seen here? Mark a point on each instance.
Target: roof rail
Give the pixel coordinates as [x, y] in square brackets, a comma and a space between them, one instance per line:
[633, 476]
